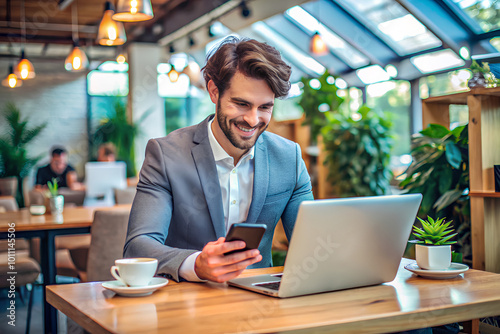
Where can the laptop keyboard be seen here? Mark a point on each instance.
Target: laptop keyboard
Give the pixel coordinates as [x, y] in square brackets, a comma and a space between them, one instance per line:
[270, 285]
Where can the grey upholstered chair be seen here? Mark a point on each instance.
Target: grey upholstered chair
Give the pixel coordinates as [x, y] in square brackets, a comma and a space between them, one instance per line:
[8, 203]
[125, 196]
[108, 231]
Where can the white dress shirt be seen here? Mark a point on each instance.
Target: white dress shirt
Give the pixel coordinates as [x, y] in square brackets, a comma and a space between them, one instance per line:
[236, 185]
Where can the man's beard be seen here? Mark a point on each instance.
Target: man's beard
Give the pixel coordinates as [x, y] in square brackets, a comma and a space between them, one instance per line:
[237, 141]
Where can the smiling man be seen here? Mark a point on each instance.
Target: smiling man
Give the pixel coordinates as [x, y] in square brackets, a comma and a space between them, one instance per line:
[198, 181]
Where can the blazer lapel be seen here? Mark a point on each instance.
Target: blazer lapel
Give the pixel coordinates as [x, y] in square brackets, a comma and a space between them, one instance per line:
[207, 172]
[260, 181]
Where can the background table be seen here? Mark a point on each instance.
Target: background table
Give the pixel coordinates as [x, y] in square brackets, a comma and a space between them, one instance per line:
[74, 220]
[408, 302]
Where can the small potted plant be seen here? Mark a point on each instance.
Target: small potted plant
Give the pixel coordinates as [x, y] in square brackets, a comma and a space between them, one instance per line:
[433, 245]
[482, 76]
[56, 201]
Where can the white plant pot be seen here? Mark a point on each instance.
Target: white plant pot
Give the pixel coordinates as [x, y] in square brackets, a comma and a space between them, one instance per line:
[56, 204]
[433, 257]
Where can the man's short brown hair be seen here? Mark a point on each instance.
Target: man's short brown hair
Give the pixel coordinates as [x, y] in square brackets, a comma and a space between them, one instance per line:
[253, 59]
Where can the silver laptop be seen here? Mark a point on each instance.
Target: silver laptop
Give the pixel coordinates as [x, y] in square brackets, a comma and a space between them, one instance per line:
[341, 244]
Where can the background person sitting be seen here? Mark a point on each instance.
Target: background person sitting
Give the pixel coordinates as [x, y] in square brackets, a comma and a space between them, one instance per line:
[106, 153]
[59, 169]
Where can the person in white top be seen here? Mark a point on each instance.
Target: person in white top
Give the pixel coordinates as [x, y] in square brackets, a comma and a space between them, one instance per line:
[198, 181]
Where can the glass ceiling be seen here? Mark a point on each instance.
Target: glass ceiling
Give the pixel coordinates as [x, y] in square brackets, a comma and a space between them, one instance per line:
[484, 13]
[377, 40]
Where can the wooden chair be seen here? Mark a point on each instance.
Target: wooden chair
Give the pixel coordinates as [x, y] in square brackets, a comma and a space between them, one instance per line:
[109, 231]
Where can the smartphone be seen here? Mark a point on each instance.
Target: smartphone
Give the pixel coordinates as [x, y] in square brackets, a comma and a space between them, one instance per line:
[251, 234]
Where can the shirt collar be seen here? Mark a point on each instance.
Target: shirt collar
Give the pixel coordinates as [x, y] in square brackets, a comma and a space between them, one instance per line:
[219, 152]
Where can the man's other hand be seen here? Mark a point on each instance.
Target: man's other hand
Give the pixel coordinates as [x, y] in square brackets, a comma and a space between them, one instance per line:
[213, 265]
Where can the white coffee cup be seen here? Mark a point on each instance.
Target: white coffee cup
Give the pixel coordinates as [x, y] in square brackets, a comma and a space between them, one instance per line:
[134, 271]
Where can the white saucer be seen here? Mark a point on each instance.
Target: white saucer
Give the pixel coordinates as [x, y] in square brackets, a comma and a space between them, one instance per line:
[454, 270]
[127, 291]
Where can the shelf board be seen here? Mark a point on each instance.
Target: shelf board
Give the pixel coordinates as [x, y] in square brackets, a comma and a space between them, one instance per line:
[488, 193]
[461, 98]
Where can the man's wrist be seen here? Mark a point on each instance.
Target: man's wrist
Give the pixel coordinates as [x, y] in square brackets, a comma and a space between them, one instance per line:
[187, 270]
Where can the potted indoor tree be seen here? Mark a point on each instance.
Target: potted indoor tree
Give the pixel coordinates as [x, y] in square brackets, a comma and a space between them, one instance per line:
[433, 245]
[56, 201]
[15, 161]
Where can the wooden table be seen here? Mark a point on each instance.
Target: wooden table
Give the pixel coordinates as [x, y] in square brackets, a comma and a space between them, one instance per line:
[74, 220]
[409, 302]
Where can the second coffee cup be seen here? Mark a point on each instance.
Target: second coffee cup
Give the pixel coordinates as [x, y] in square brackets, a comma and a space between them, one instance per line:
[134, 272]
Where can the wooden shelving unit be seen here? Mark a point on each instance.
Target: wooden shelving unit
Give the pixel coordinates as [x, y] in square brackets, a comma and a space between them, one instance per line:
[484, 152]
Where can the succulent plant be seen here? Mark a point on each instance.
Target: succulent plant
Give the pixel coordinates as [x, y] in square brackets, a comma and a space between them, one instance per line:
[53, 187]
[434, 232]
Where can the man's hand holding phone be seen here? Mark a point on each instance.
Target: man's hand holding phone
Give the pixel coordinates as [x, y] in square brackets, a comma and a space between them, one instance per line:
[226, 258]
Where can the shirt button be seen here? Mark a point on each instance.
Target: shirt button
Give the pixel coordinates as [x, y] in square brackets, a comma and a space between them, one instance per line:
[233, 171]
[233, 202]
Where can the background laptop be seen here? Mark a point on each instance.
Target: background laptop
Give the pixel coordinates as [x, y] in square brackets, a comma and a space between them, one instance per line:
[100, 180]
[340, 244]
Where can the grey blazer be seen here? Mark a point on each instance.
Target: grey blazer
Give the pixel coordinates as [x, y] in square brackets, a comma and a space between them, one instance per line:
[178, 206]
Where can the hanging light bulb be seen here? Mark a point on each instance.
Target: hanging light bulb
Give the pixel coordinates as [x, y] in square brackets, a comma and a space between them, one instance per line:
[24, 69]
[318, 46]
[77, 60]
[133, 11]
[173, 75]
[11, 80]
[110, 31]
[121, 59]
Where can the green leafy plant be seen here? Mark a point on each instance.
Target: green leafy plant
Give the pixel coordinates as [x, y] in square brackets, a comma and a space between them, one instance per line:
[434, 232]
[118, 130]
[440, 172]
[14, 158]
[358, 152]
[358, 144]
[313, 100]
[53, 188]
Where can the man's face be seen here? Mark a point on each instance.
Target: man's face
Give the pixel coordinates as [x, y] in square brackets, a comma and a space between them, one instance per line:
[243, 113]
[103, 157]
[59, 162]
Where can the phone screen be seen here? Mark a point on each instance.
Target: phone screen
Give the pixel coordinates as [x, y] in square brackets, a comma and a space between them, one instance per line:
[251, 234]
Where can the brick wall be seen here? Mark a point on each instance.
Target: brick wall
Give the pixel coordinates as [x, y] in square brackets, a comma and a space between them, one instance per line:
[59, 98]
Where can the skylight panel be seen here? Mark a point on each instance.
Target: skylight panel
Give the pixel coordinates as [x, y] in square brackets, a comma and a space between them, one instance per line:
[372, 74]
[437, 61]
[485, 13]
[335, 43]
[393, 24]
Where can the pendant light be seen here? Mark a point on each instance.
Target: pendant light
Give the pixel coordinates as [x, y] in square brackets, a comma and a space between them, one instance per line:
[24, 68]
[133, 11]
[121, 59]
[77, 59]
[11, 80]
[318, 46]
[110, 31]
[173, 75]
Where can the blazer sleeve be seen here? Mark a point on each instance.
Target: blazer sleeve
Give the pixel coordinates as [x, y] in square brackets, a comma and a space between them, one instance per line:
[301, 192]
[151, 215]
